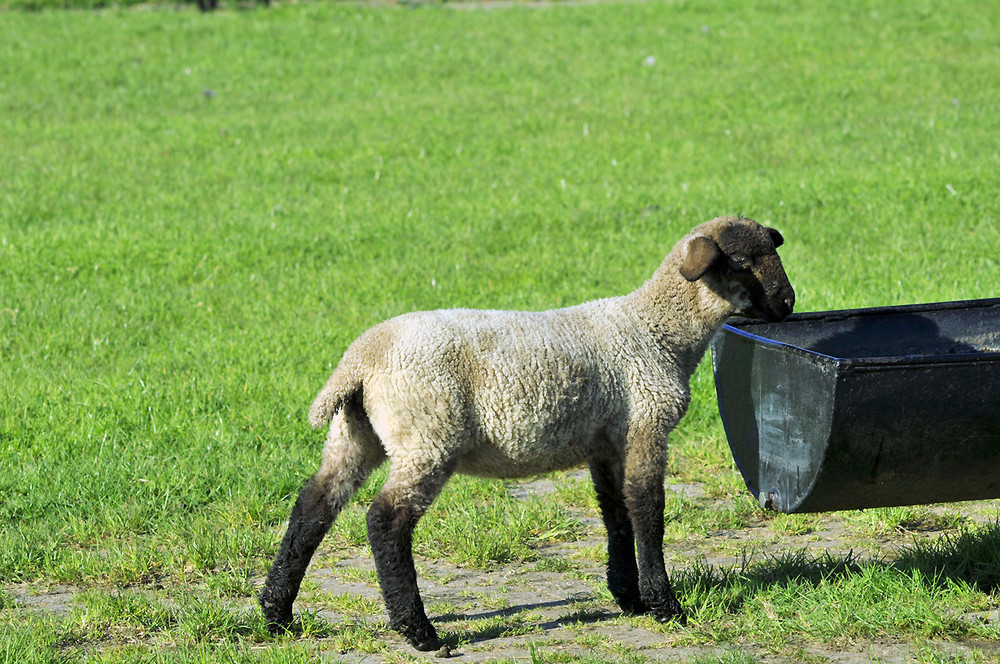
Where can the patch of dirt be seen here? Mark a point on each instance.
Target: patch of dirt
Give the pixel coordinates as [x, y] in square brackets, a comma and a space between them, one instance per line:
[497, 614]
[57, 600]
[559, 604]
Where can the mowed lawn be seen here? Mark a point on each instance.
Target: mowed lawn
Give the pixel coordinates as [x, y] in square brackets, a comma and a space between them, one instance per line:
[199, 212]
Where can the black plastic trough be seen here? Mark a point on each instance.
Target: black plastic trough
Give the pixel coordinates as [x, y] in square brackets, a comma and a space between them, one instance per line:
[864, 408]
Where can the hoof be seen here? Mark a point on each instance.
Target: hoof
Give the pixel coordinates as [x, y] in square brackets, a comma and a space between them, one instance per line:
[276, 628]
[664, 607]
[432, 643]
[633, 607]
[671, 614]
[416, 629]
[424, 639]
[277, 620]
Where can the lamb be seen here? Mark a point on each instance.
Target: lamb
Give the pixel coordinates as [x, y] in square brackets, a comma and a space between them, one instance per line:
[511, 394]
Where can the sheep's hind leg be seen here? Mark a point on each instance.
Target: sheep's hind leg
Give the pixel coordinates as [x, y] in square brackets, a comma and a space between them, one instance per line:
[623, 575]
[392, 519]
[644, 497]
[351, 453]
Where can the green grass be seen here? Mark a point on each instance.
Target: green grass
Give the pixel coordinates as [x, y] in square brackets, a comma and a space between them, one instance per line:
[198, 213]
[833, 601]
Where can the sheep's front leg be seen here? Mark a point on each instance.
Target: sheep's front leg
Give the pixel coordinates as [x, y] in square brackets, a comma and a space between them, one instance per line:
[645, 468]
[623, 575]
[392, 519]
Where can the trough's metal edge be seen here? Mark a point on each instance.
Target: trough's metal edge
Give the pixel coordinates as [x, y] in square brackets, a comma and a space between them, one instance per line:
[851, 363]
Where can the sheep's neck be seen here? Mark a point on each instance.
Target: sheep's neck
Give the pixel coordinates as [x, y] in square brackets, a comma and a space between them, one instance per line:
[681, 316]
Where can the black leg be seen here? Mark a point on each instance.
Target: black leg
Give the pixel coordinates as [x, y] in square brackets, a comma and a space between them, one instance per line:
[351, 453]
[623, 575]
[645, 467]
[645, 501]
[391, 521]
[390, 531]
[311, 518]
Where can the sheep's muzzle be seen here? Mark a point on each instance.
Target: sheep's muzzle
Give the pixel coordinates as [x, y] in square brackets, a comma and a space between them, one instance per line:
[772, 297]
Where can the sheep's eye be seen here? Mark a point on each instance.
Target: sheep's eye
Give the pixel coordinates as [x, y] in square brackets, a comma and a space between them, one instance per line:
[740, 263]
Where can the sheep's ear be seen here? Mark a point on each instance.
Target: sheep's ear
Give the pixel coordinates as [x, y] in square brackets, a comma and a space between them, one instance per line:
[702, 252]
[775, 237]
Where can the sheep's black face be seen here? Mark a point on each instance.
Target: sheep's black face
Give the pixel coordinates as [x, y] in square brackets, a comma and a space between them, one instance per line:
[744, 268]
[751, 260]
[769, 295]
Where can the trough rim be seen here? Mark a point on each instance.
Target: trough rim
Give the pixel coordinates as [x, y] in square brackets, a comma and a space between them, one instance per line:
[881, 362]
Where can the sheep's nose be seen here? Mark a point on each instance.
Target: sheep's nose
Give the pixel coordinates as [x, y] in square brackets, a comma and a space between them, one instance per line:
[787, 300]
[782, 303]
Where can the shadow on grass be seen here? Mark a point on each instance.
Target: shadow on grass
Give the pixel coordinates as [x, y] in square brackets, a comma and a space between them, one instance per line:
[506, 622]
[971, 557]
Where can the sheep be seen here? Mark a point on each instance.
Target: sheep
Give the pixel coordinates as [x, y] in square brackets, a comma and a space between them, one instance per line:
[510, 394]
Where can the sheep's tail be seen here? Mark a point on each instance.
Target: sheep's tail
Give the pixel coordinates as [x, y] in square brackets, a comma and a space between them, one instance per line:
[345, 382]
